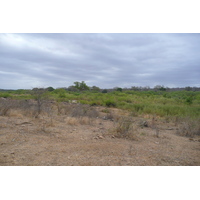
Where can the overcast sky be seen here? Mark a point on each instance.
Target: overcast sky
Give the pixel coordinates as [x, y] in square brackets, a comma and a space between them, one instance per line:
[103, 60]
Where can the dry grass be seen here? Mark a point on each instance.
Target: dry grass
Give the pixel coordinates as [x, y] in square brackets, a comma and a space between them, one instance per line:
[125, 128]
[75, 121]
[80, 135]
[72, 121]
[15, 113]
[189, 128]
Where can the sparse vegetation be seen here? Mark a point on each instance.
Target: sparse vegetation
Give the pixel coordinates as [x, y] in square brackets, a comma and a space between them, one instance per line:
[189, 128]
[125, 128]
[118, 117]
[160, 101]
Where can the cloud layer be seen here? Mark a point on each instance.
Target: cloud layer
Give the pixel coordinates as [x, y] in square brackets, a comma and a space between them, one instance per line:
[104, 60]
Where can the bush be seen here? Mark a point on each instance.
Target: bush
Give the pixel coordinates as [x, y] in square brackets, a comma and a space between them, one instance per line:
[138, 107]
[50, 89]
[5, 106]
[95, 103]
[105, 91]
[119, 89]
[83, 111]
[110, 103]
[5, 95]
[189, 128]
[189, 100]
[62, 95]
[125, 129]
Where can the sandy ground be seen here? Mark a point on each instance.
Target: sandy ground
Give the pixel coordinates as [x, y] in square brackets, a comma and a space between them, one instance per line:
[68, 141]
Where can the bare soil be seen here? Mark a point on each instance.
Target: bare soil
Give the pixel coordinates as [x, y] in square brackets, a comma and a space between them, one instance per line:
[72, 141]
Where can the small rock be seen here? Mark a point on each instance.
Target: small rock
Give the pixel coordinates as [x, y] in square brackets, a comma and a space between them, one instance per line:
[105, 118]
[145, 123]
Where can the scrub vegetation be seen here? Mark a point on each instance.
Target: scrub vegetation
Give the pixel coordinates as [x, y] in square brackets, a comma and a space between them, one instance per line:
[82, 125]
[158, 101]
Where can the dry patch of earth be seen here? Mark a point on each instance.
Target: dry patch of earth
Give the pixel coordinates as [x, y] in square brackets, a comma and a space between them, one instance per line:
[64, 140]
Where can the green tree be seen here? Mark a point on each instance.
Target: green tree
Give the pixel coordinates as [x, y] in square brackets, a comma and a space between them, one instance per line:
[81, 86]
[119, 89]
[159, 88]
[104, 91]
[95, 88]
[188, 88]
[50, 89]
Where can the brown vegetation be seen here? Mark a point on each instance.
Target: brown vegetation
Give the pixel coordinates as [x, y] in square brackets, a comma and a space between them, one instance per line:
[76, 134]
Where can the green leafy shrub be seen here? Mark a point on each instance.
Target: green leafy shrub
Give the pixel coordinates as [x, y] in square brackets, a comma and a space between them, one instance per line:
[189, 100]
[5, 95]
[104, 91]
[110, 103]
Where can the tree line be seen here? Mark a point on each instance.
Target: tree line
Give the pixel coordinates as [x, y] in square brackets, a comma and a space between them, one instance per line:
[82, 86]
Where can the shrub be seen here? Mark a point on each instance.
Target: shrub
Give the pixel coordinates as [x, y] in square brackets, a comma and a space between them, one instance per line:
[50, 89]
[189, 128]
[95, 103]
[5, 95]
[104, 91]
[125, 129]
[83, 111]
[189, 100]
[62, 95]
[110, 103]
[119, 89]
[5, 106]
[138, 107]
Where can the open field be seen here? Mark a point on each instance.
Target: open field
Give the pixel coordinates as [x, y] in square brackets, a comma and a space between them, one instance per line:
[48, 132]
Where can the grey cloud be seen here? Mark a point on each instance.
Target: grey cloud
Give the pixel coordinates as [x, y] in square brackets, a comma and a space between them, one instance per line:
[105, 60]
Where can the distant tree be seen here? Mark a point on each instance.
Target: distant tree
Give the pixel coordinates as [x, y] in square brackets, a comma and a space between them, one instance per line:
[50, 89]
[188, 88]
[72, 88]
[119, 89]
[146, 88]
[81, 86]
[104, 91]
[135, 88]
[95, 88]
[159, 88]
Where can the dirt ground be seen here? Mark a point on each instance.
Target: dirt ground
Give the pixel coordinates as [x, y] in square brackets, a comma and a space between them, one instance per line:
[70, 141]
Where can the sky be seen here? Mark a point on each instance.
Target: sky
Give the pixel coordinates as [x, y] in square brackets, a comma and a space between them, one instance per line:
[106, 60]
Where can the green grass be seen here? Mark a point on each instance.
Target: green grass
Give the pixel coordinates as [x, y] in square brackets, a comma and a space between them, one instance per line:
[161, 103]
